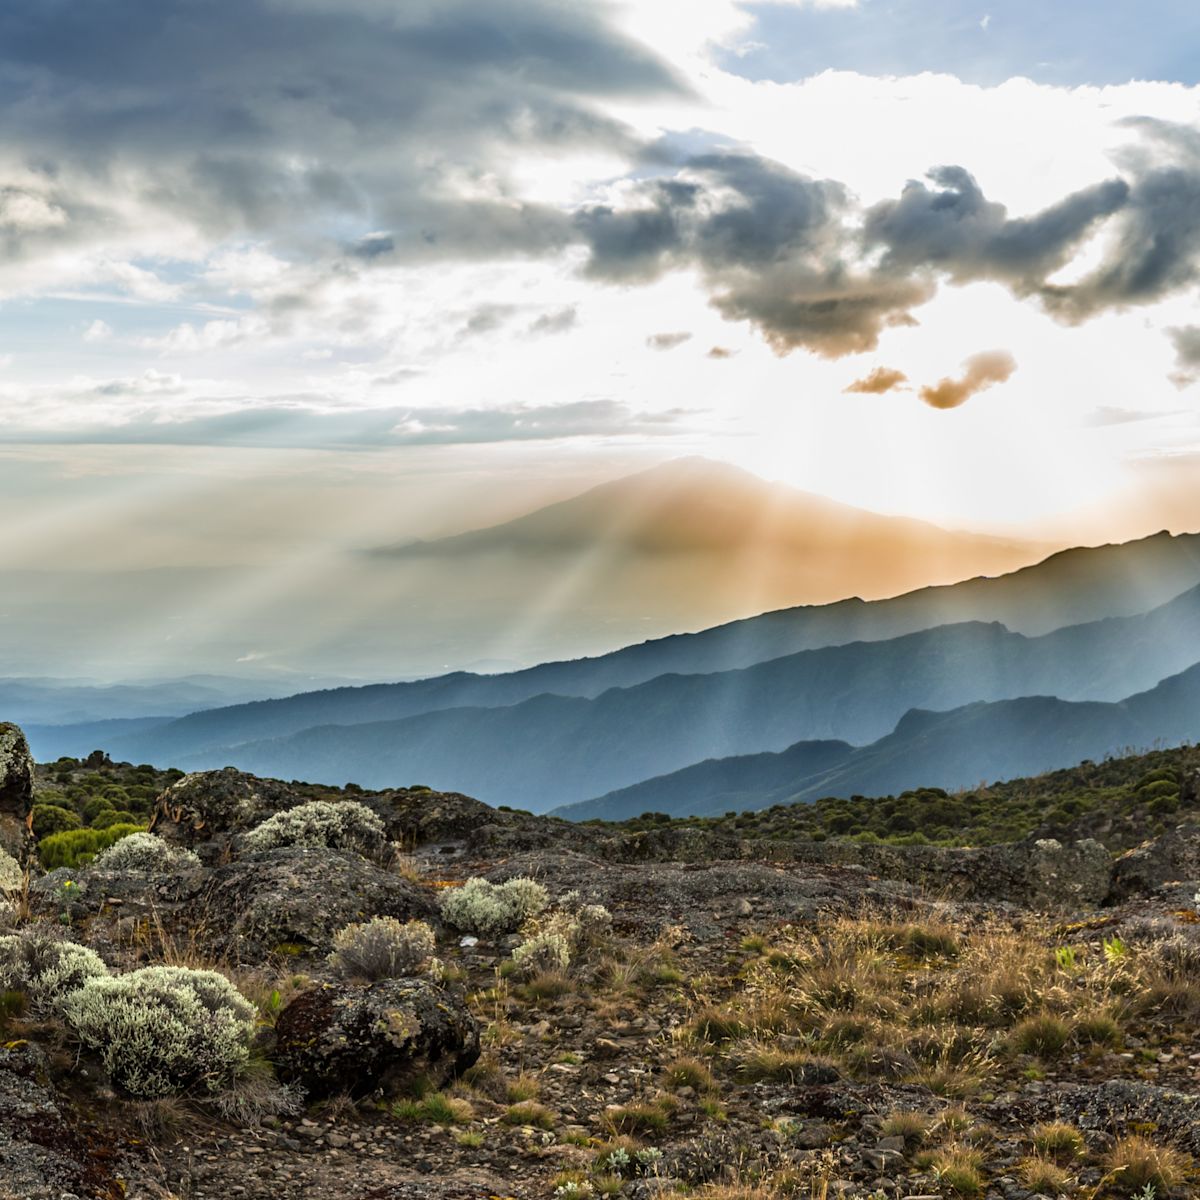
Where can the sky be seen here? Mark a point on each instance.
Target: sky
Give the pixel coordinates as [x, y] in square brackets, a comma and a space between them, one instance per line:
[287, 277]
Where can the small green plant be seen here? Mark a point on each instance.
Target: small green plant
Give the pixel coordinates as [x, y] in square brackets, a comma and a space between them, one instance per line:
[1115, 950]
[1067, 958]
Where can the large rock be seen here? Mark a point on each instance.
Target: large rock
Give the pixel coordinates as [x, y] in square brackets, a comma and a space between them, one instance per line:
[1173, 857]
[44, 1155]
[298, 897]
[204, 810]
[16, 790]
[360, 1039]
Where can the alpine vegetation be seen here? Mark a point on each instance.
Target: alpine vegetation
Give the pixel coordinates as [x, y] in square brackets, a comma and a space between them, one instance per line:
[45, 966]
[319, 823]
[145, 852]
[164, 1030]
[382, 948]
[492, 910]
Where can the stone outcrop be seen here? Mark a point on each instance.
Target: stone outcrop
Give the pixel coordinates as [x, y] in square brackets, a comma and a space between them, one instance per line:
[1172, 858]
[16, 790]
[204, 810]
[359, 1039]
[299, 897]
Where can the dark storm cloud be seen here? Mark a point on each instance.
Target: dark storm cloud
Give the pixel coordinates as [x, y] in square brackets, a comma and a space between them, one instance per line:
[954, 228]
[1156, 248]
[285, 113]
[285, 422]
[771, 245]
[363, 133]
[982, 371]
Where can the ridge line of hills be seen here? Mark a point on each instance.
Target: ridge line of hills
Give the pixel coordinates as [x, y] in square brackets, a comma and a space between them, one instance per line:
[835, 707]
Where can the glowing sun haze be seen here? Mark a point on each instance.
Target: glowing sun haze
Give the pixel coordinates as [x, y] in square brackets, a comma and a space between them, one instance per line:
[293, 276]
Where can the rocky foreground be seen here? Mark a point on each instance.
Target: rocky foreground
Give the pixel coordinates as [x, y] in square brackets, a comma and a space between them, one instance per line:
[612, 1012]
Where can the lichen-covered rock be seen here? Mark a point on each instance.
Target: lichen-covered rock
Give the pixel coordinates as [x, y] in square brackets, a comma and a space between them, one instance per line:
[16, 791]
[44, 1155]
[418, 816]
[378, 1037]
[1175, 856]
[206, 808]
[299, 897]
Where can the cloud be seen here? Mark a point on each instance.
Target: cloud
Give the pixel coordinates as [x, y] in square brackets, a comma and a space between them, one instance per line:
[1186, 339]
[557, 321]
[982, 371]
[880, 380]
[720, 352]
[955, 229]
[164, 117]
[97, 331]
[1155, 250]
[294, 422]
[771, 246]
[668, 341]
[1107, 415]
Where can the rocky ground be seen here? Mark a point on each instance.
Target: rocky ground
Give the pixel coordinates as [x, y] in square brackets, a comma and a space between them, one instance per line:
[838, 1020]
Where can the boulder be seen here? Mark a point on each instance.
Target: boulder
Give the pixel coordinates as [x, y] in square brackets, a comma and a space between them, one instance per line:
[363, 1038]
[298, 897]
[205, 809]
[16, 791]
[46, 1154]
[1172, 857]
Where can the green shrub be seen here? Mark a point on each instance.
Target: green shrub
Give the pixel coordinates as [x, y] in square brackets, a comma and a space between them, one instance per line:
[77, 847]
[492, 910]
[109, 818]
[42, 964]
[345, 826]
[93, 806]
[144, 852]
[382, 948]
[49, 819]
[164, 1030]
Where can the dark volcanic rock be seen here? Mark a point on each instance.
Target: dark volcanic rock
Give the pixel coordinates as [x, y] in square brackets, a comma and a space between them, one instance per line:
[43, 1155]
[300, 896]
[380, 1036]
[1040, 874]
[1120, 1105]
[203, 810]
[1175, 856]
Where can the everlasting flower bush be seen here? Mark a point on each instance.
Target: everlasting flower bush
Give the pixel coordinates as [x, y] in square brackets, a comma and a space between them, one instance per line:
[145, 852]
[345, 826]
[492, 910]
[164, 1030]
[382, 948]
[542, 953]
[40, 962]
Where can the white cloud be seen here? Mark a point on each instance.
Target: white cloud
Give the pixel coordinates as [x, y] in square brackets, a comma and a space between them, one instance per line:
[98, 331]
